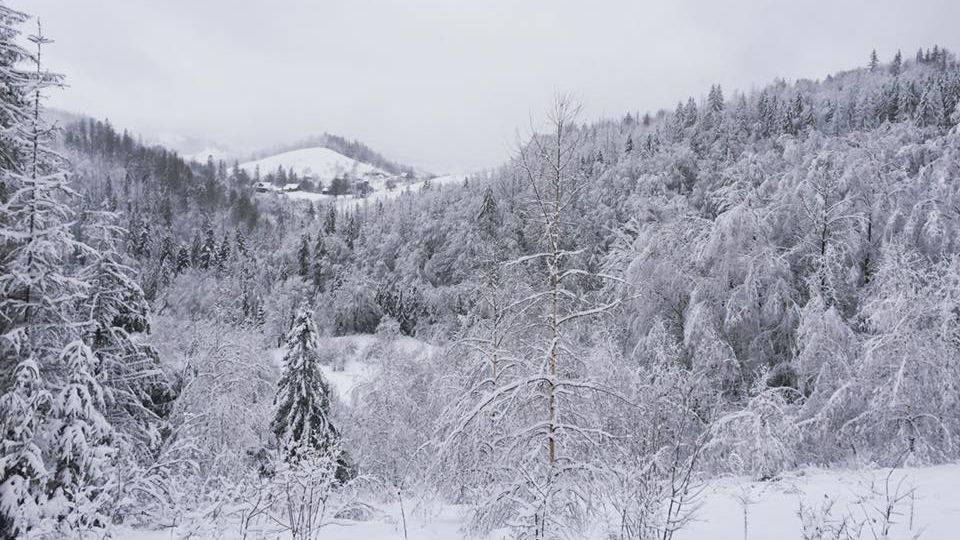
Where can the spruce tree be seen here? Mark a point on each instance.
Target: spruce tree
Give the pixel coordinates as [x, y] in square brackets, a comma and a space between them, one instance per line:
[241, 242]
[38, 294]
[302, 417]
[897, 64]
[208, 249]
[330, 221]
[84, 447]
[114, 311]
[930, 111]
[183, 259]
[319, 264]
[21, 459]
[303, 255]
[223, 254]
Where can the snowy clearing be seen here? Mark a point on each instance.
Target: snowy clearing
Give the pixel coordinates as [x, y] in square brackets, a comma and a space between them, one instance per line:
[379, 194]
[772, 514]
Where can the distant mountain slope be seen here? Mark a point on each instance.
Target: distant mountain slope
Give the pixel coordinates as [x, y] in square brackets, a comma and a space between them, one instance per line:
[318, 162]
[350, 148]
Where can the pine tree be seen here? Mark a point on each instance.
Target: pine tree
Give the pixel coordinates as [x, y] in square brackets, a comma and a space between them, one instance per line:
[83, 453]
[715, 99]
[628, 148]
[241, 242]
[183, 259]
[37, 293]
[114, 311]
[21, 459]
[208, 247]
[303, 255]
[690, 114]
[930, 111]
[302, 418]
[897, 65]
[874, 61]
[352, 232]
[319, 264]
[330, 221]
[488, 219]
[223, 254]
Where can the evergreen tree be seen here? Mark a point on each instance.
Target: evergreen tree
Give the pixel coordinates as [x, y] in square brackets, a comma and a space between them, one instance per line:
[874, 61]
[352, 231]
[208, 248]
[37, 290]
[223, 254]
[690, 115]
[488, 219]
[241, 242]
[302, 417]
[83, 453]
[330, 221]
[715, 99]
[930, 111]
[319, 264]
[115, 310]
[303, 255]
[183, 259]
[21, 459]
[897, 65]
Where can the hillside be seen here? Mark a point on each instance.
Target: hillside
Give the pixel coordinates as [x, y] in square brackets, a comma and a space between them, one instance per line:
[317, 162]
[353, 149]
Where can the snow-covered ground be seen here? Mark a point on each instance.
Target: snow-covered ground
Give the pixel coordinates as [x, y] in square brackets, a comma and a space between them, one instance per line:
[318, 161]
[773, 507]
[348, 201]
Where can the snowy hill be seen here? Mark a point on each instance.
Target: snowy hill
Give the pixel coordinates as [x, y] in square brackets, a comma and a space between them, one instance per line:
[318, 162]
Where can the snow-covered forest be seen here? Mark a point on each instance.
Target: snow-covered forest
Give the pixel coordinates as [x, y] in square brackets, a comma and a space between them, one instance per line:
[577, 344]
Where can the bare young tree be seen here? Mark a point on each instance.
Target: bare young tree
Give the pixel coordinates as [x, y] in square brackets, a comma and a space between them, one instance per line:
[543, 430]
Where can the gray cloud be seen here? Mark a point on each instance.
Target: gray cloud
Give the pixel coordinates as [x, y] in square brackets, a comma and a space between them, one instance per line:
[443, 84]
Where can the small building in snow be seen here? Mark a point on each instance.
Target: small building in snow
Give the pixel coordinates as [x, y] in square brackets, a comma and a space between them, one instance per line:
[264, 187]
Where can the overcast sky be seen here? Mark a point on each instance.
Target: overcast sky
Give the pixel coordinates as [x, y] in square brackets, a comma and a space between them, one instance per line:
[443, 84]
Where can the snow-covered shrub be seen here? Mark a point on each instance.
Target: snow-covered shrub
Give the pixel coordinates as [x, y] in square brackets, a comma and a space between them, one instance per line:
[759, 440]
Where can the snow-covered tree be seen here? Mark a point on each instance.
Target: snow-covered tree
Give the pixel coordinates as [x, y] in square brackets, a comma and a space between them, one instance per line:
[302, 417]
[113, 313]
[37, 289]
[21, 459]
[84, 453]
[539, 480]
